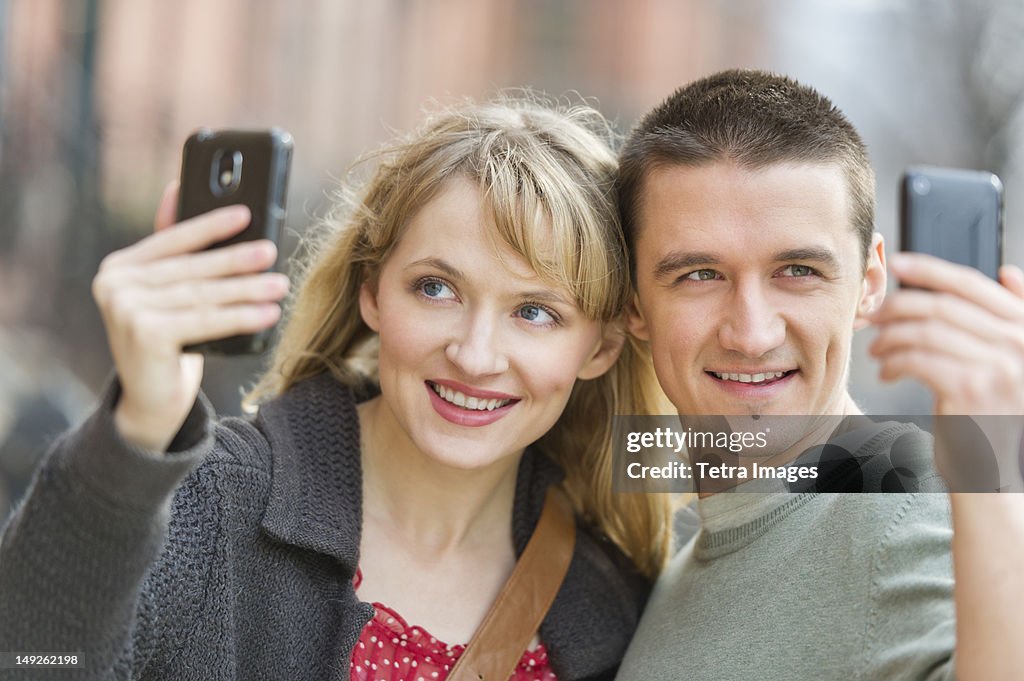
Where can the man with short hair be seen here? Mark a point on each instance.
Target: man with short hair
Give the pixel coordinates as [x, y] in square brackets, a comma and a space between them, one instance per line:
[748, 203]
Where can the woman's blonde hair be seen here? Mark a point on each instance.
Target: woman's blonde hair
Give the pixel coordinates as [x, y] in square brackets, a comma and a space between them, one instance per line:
[547, 178]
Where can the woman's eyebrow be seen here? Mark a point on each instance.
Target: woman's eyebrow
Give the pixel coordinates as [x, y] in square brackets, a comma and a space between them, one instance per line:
[539, 295]
[452, 271]
[544, 296]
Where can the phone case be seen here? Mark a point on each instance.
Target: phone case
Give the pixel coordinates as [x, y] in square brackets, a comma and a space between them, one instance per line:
[954, 214]
[227, 167]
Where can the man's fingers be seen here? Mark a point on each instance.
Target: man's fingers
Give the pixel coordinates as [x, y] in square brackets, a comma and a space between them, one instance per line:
[167, 209]
[928, 335]
[959, 387]
[928, 272]
[950, 310]
[1012, 277]
[932, 370]
[187, 237]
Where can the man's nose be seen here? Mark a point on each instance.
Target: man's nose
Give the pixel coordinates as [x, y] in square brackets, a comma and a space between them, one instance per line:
[476, 346]
[752, 325]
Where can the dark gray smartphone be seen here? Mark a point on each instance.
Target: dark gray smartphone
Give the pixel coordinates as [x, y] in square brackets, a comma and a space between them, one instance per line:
[954, 214]
[227, 167]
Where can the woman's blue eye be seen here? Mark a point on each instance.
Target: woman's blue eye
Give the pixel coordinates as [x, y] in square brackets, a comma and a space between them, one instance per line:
[436, 289]
[536, 314]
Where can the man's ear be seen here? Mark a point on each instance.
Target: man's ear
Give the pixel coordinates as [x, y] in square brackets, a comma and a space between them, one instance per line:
[873, 287]
[368, 305]
[635, 321]
[613, 337]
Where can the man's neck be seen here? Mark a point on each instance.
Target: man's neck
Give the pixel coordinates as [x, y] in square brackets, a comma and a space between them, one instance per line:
[787, 437]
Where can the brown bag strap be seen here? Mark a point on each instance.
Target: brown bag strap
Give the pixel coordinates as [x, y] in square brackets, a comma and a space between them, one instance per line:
[509, 626]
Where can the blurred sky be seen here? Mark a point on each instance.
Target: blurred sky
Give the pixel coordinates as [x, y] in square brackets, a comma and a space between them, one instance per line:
[97, 96]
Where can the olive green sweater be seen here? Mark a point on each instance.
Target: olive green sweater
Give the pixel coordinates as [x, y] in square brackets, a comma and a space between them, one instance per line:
[800, 587]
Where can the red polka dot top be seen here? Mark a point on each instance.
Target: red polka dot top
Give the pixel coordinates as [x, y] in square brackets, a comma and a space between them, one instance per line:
[390, 649]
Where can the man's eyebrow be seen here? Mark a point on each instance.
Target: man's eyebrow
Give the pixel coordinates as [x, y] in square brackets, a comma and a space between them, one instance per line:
[811, 253]
[676, 261]
[452, 271]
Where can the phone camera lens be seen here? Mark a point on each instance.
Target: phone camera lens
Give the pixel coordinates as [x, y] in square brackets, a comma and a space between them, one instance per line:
[921, 186]
[226, 171]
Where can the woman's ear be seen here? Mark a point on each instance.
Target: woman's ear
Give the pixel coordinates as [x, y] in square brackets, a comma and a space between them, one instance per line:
[368, 305]
[613, 336]
[873, 286]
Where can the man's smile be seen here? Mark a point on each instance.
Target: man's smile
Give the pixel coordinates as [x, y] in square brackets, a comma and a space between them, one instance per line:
[758, 378]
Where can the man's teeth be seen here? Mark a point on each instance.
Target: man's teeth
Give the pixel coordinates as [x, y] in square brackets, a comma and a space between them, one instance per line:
[750, 378]
[460, 399]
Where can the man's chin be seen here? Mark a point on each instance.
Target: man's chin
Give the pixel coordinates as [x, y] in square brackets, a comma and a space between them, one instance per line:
[751, 409]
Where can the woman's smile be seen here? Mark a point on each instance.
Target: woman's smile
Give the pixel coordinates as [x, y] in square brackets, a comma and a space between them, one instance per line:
[467, 410]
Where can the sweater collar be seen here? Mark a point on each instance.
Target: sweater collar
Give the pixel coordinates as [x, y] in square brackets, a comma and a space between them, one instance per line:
[316, 492]
[316, 495]
[316, 504]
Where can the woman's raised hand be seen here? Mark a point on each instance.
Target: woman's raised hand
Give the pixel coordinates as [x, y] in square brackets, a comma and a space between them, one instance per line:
[164, 293]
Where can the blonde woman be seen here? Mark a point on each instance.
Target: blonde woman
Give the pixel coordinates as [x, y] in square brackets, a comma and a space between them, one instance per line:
[454, 348]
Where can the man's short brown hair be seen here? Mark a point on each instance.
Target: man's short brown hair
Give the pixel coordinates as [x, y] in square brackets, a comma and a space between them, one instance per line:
[754, 119]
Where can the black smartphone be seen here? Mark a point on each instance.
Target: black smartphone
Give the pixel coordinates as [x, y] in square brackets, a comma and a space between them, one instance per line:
[227, 167]
[954, 214]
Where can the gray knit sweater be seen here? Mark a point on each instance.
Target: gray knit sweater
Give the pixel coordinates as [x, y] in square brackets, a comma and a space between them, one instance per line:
[802, 587]
[232, 556]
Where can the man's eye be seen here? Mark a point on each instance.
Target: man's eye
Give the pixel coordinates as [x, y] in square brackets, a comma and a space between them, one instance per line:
[536, 314]
[701, 275]
[797, 271]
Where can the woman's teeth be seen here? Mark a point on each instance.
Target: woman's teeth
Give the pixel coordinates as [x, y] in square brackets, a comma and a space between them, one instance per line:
[460, 399]
[750, 378]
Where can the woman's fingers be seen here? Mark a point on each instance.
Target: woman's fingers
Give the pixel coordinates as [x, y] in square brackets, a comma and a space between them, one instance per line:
[261, 288]
[148, 337]
[171, 290]
[187, 326]
[167, 209]
[189, 236]
[258, 288]
[230, 261]
[237, 259]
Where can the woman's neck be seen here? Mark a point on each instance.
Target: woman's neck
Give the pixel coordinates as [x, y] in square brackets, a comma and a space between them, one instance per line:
[434, 506]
